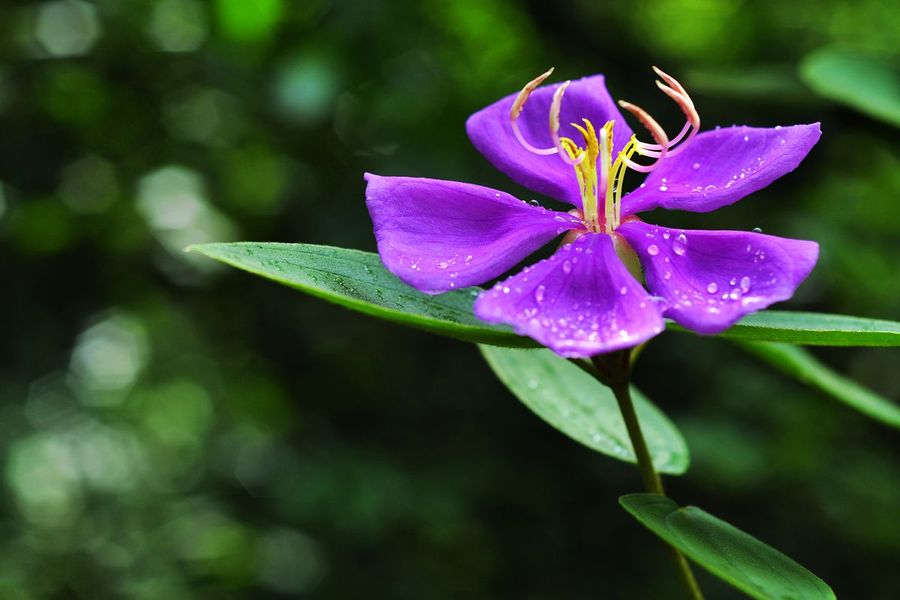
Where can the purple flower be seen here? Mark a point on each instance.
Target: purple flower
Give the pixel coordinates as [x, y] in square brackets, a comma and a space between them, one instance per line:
[587, 297]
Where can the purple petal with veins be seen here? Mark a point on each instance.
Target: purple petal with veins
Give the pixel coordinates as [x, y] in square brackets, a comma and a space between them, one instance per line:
[719, 167]
[491, 133]
[713, 278]
[579, 302]
[439, 235]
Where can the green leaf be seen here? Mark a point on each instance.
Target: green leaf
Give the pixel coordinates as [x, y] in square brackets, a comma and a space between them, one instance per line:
[811, 329]
[357, 280]
[738, 558]
[864, 83]
[576, 404]
[802, 365]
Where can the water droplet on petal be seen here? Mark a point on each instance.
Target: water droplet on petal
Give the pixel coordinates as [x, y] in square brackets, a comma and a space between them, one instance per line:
[663, 188]
[757, 230]
[745, 283]
[680, 244]
[539, 293]
[652, 249]
[567, 267]
[623, 290]
[712, 288]
[534, 203]
[667, 275]
[695, 166]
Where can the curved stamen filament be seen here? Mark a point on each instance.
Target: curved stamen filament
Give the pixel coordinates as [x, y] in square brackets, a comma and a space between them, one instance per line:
[674, 90]
[555, 108]
[662, 148]
[516, 110]
[600, 147]
[656, 131]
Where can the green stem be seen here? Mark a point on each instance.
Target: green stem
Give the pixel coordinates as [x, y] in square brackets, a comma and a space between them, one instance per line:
[652, 480]
[614, 370]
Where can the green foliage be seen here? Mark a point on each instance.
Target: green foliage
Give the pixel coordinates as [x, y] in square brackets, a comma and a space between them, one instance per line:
[812, 329]
[869, 85]
[740, 559]
[576, 404]
[803, 366]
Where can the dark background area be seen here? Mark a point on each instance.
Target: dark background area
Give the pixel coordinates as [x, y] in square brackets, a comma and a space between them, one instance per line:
[172, 429]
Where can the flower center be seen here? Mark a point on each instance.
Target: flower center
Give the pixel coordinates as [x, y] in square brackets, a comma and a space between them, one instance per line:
[597, 151]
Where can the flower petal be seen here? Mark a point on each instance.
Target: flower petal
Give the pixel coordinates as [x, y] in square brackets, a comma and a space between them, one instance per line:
[720, 167]
[491, 133]
[713, 278]
[439, 235]
[579, 302]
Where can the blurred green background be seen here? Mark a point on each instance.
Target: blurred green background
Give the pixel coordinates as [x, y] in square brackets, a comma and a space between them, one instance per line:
[173, 429]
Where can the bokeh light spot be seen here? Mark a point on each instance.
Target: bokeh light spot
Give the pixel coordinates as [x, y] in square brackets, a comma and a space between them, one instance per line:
[67, 27]
[108, 357]
[44, 478]
[178, 25]
[305, 88]
[172, 200]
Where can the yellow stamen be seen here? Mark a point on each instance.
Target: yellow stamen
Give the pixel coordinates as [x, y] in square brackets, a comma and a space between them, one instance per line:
[599, 146]
[586, 170]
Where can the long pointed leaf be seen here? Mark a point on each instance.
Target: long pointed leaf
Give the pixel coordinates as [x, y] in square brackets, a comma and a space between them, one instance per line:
[737, 557]
[803, 366]
[811, 329]
[357, 280]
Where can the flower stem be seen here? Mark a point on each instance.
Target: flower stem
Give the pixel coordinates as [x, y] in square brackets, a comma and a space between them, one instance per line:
[614, 370]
